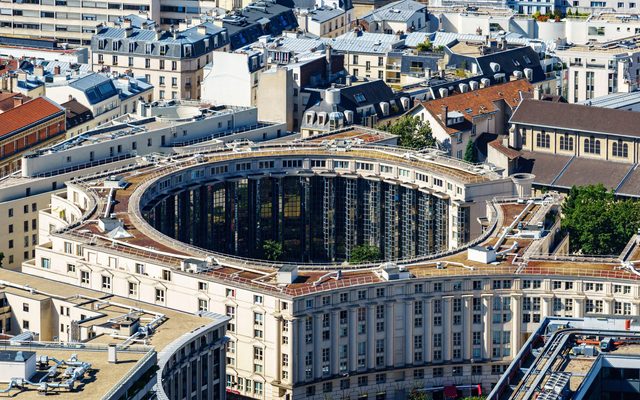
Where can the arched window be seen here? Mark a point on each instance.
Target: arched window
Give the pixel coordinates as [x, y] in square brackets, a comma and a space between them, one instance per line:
[620, 149]
[592, 145]
[566, 143]
[543, 140]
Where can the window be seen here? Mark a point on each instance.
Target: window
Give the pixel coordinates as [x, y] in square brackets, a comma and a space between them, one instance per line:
[258, 319]
[45, 263]
[566, 143]
[166, 275]
[257, 299]
[106, 282]
[71, 268]
[620, 149]
[543, 140]
[25, 307]
[592, 145]
[160, 295]
[84, 277]
[133, 289]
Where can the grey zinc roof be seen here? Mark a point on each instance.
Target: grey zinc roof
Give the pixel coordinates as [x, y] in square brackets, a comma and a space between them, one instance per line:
[415, 38]
[324, 14]
[96, 87]
[174, 47]
[400, 11]
[364, 42]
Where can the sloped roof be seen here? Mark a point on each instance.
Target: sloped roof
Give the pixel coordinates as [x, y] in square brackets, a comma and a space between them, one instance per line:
[578, 117]
[32, 112]
[477, 102]
[96, 87]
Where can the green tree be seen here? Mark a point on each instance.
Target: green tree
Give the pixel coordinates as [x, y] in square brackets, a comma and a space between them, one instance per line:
[596, 222]
[364, 253]
[419, 395]
[411, 131]
[272, 250]
[569, 13]
[425, 46]
[470, 152]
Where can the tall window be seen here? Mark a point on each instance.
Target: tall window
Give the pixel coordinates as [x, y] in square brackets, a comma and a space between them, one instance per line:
[590, 84]
[566, 143]
[620, 149]
[543, 140]
[592, 145]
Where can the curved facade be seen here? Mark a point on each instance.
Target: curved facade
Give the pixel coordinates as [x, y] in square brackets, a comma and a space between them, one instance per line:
[345, 331]
[317, 218]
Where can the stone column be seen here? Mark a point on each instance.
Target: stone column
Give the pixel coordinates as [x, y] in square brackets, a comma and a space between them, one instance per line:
[447, 319]
[487, 325]
[428, 330]
[408, 332]
[389, 328]
[516, 322]
[467, 324]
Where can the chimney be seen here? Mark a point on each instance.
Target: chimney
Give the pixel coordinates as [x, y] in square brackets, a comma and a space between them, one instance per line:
[202, 30]
[537, 93]
[38, 70]
[56, 70]
[70, 97]
[18, 101]
[445, 113]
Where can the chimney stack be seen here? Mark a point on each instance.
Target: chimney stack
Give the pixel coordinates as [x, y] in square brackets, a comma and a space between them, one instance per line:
[445, 113]
[56, 70]
[18, 101]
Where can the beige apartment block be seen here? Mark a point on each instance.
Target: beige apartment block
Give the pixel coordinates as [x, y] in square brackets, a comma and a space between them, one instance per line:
[172, 62]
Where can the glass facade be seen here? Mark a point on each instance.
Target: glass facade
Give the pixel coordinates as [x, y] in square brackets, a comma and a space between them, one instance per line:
[315, 218]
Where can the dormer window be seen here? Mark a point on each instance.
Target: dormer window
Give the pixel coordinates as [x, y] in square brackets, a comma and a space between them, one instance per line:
[132, 47]
[114, 45]
[187, 50]
[148, 48]
[102, 43]
[163, 49]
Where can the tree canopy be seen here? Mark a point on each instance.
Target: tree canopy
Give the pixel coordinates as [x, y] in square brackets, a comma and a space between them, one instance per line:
[425, 46]
[364, 253]
[272, 250]
[470, 152]
[412, 132]
[597, 222]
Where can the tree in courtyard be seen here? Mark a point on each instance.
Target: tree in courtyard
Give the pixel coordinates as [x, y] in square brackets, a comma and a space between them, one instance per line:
[470, 152]
[272, 250]
[597, 222]
[364, 253]
[412, 132]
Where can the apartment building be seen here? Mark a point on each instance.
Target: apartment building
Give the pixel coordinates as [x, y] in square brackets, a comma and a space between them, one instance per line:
[472, 113]
[403, 16]
[172, 62]
[232, 78]
[29, 126]
[57, 319]
[371, 55]
[600, 69]
[68, 21]
[325, 21]
[106, 97]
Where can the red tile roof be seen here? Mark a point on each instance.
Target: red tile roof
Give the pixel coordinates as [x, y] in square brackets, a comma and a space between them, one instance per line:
[508, 152]
[8, 100]
[27, 114]
[477, 102]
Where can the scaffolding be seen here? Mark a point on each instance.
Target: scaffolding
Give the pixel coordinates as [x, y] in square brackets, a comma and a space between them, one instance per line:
[441, 240]
[391, 222]
[371, 213]
[425, 225]
[350, 215]
[408, 226]
[328, 218]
